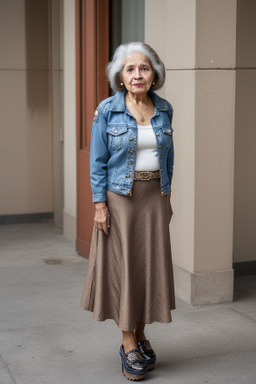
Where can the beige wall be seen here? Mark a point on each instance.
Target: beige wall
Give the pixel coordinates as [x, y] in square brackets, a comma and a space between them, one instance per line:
[215, 34]
[245, 135]
[173, 31]
[196, 39]
[34, 122]
[26, 133]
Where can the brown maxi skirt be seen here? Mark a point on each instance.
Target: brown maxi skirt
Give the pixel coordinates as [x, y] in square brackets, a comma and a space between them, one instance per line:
[129, 276]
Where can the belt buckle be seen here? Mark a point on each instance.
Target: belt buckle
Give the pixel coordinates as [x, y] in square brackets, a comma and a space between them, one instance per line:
[145, 175]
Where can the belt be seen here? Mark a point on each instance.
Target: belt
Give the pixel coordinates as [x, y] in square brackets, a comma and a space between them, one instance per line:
[146, 175]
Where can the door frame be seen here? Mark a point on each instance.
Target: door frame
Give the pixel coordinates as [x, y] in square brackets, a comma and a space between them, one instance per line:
[92, 55]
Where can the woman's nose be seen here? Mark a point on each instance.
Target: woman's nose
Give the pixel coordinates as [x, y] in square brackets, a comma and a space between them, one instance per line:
[137, 73]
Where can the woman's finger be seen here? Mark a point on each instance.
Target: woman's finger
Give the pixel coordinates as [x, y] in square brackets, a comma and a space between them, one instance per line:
[108, 220]
[102, 227]
[98, 225]
[105, 228]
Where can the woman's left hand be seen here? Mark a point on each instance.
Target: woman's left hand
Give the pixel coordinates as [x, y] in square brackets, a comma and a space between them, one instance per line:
[102, 217]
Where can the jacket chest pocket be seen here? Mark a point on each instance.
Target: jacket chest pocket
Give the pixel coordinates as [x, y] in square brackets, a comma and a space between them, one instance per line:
[117, 134]
[167, 135]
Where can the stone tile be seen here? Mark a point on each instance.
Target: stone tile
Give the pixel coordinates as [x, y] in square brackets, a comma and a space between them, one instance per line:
[46, 338]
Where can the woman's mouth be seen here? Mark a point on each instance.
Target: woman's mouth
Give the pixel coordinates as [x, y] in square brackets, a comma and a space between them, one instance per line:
[138, 85]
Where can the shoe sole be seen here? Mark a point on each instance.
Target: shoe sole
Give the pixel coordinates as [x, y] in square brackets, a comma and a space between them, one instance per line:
[151, 366]
[131, 377]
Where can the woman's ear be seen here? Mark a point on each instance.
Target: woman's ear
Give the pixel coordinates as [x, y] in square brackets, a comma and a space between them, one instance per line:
[120, 81]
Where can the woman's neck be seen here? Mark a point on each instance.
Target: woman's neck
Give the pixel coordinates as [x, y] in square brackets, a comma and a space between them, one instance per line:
[138, 99]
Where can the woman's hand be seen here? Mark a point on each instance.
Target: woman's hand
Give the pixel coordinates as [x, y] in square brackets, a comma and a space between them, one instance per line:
[101, 217]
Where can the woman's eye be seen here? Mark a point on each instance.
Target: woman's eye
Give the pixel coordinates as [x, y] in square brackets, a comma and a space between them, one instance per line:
[145, 69]
[129, 69]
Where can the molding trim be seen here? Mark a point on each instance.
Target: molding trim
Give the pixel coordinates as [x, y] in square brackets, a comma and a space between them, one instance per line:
[69, 225]
[203, 288]
[26, 218]
[245, 268]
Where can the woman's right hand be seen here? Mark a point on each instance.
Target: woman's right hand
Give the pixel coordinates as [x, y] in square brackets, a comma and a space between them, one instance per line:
[102, 217]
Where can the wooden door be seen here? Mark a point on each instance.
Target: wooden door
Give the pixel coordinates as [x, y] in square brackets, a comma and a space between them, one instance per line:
[92, 55]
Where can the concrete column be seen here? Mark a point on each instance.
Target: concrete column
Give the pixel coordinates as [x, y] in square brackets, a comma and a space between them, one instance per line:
[56, 70]
[196, 40]
[69, 213]
[245, 154]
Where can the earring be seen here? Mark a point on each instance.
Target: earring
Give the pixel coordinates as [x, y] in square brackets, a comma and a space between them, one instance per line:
[121, 84]
[153, 83]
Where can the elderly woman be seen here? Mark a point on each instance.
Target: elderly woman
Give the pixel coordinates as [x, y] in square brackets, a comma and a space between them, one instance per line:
[129, 277]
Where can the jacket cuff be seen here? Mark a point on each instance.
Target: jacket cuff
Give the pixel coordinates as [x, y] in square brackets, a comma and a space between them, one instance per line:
[97, 197]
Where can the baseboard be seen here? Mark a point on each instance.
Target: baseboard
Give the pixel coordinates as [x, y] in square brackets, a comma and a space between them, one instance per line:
[245, 268]
[69, 225]
[204, 288]
[26, 218]
[82, 247]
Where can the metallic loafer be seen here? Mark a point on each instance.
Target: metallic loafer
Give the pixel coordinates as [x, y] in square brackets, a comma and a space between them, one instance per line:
[147, 353]
[134, 366]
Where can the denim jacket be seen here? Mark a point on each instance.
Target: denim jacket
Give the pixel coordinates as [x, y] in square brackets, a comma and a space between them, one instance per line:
[113, 146]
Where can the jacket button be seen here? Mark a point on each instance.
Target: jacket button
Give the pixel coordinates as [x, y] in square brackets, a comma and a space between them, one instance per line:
[158, 134]
[160, 157]
[129, 162]
[131, 138]
[115, 130]
[127, 176]
[129, 193]
[159, 146]
[131, 151]
[162, 193]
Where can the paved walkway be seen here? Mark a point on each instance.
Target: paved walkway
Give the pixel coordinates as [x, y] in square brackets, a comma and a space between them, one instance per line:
[45, 338]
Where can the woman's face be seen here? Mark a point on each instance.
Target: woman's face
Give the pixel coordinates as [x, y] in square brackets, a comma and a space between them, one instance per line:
[137, 73]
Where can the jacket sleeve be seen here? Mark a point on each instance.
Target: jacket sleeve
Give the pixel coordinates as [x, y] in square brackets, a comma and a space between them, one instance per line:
[170, 161]
[99, 156]
[170, 158]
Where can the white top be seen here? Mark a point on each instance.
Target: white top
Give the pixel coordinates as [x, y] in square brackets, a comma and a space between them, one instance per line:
[146, 152]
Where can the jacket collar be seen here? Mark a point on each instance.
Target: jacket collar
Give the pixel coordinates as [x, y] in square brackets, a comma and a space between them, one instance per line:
[118, 104]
